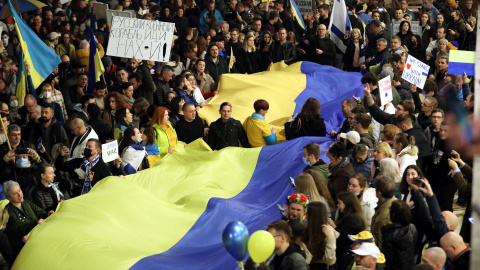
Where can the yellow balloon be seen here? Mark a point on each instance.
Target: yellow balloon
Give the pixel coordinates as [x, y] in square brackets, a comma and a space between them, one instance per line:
[261, 246]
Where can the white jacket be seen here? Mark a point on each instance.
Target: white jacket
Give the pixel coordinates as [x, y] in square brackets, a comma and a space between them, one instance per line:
[79, 143]
[406, 157]
[368, 203]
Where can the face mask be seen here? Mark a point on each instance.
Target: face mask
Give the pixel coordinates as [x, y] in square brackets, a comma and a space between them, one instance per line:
[138, 141]
[47, 95]
[87, 153]
[357, 193]
[414, 43]
[13, 103]
[5, 40]
[305, 161]
[22, 162]
[427, 7]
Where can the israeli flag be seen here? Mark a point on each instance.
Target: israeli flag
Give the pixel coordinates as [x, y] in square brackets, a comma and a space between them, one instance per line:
[339, 22]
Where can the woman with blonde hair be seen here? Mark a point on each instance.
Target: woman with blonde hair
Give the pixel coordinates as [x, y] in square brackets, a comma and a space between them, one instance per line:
[8, 74]
[249, 60]
[382, 150]
[304, 183]
[389, 168]
[352, 53]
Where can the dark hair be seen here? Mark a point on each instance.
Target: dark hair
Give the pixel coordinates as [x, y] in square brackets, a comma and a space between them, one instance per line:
[260, 104]
[93, 110]
[404, 139]
[369, 78]
[359, 148]
[50, 106]
[337, 149]
[126, 85]
[310, 110]
[401, 25]
[281, 226]
[100, 85]
[85, 99]
[408, 106]
[141, 104]
[225, 104]
[42, 169]
[298, 230]
[385, 185]
[149, 131]
[137, 76]
[179, 80]
[358, 109]
[120, 114]
[175, 104]
[126, 139]
[403, 119]
[363, 119]
[352, 206]
[403, 183]
[315, 238]
[98, 144]
[400, 213]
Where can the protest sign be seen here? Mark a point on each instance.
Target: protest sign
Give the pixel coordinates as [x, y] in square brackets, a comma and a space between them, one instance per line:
[414, 27]
[100, 10]
[110, 151]
[460, 62]
[146, 40]
[305, 6]
[415, 71]
[111, 13]
[385, 87]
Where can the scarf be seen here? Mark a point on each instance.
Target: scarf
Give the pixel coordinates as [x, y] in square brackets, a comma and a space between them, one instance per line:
[342, 164]
[54, 186]
[86, 167]
[128, 100]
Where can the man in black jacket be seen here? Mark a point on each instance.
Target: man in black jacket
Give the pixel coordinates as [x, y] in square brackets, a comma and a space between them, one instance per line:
[103, 130]
[90, 169]
[324, 47]
[162, 86]
[404, 122]
[288, 256]
[378, 33]
[47, 131]
[142, 83]
[191, 127]
[404, 106]
[282, 50]
[227, 131]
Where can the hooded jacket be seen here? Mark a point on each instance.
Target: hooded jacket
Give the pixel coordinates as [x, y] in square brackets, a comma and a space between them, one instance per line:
[408, 156]
[399, 246]
[368, 203]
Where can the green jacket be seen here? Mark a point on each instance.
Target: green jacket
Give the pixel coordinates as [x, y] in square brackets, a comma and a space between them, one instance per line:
[321, 168]
[380, 219]
[21, 223]
[163, 142]
[457, 26]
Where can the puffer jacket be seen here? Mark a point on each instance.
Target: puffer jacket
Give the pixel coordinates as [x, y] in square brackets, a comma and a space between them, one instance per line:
[408, 156]
[292, 258]
[399, 246]
[84, 55]
[224, 134]
[368, 203]
[45, 197]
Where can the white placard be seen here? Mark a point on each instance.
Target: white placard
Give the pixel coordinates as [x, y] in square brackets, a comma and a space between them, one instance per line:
[146, 40]
[100, 10]
[305, 6]
[414, 27]
[385, 87]
[111, 13]
[110, 151]
[415, 71]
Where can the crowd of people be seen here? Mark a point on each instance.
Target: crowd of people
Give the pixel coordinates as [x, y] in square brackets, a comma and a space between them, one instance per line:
[371, 205]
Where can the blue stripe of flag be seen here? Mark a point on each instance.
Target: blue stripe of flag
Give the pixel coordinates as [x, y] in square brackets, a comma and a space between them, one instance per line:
[459, 68]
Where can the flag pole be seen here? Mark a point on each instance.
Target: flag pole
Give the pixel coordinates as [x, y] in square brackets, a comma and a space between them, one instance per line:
[5, 131]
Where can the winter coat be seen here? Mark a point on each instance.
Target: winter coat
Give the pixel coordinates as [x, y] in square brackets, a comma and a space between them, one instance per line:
[301, 127]
[367, 139]
[381, 218]
[249, 62]
[162, 139]
[207, 83]
[420, 140]
[404, 91]
[339, 178]
[84, 55]
[364, 168]
[369, 203]
[79, 143]
[224, 134]
[215, 69]
[45, 197]
[321, 168]
[350, 51]
[406, 157]
[352, 225]
[398, 246]
[328, 47]
[286, 52]
[458, 26]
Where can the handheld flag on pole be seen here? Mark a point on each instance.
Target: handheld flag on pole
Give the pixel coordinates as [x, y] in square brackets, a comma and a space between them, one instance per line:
[21, 6]
[338, 23]
[296, 14]
[95, 64]
[41, 59]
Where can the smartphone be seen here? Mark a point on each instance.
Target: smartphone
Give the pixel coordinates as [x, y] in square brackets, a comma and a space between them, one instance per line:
[418, 182]
[39, 146]
[471, 219]
[292, 181]
[21, 151]
[380, 9]
[280, 208]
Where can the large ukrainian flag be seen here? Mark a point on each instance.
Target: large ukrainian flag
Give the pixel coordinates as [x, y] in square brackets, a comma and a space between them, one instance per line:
[172, 215]
[41, 59]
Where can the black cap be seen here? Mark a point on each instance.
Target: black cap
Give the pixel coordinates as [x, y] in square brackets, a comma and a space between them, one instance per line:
[75, 63]
[375, 22]
[217, 38]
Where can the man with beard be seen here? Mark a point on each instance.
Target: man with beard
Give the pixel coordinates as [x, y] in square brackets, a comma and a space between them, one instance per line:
[47, 132]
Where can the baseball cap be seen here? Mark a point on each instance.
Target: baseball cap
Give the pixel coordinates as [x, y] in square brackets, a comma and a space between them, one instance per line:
[367, 249]
[53, 35]
[351, 136]
[362, 237]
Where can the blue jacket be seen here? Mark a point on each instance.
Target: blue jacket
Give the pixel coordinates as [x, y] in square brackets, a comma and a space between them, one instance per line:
[203, 25]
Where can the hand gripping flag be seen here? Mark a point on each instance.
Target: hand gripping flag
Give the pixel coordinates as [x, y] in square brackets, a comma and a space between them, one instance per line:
[338, 23]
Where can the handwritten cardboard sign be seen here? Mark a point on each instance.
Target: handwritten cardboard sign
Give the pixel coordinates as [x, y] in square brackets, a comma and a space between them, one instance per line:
[110, 151]
[146, 40]
[385, 87]
[305, 6]
[415, 71]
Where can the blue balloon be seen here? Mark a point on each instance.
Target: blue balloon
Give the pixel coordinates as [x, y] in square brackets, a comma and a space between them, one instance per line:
[235, 239]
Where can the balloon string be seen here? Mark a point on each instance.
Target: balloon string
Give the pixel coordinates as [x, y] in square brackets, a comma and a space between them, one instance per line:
[240, 263]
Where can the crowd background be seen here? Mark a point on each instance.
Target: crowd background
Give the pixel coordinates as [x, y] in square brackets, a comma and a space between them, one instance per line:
[376, 176]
